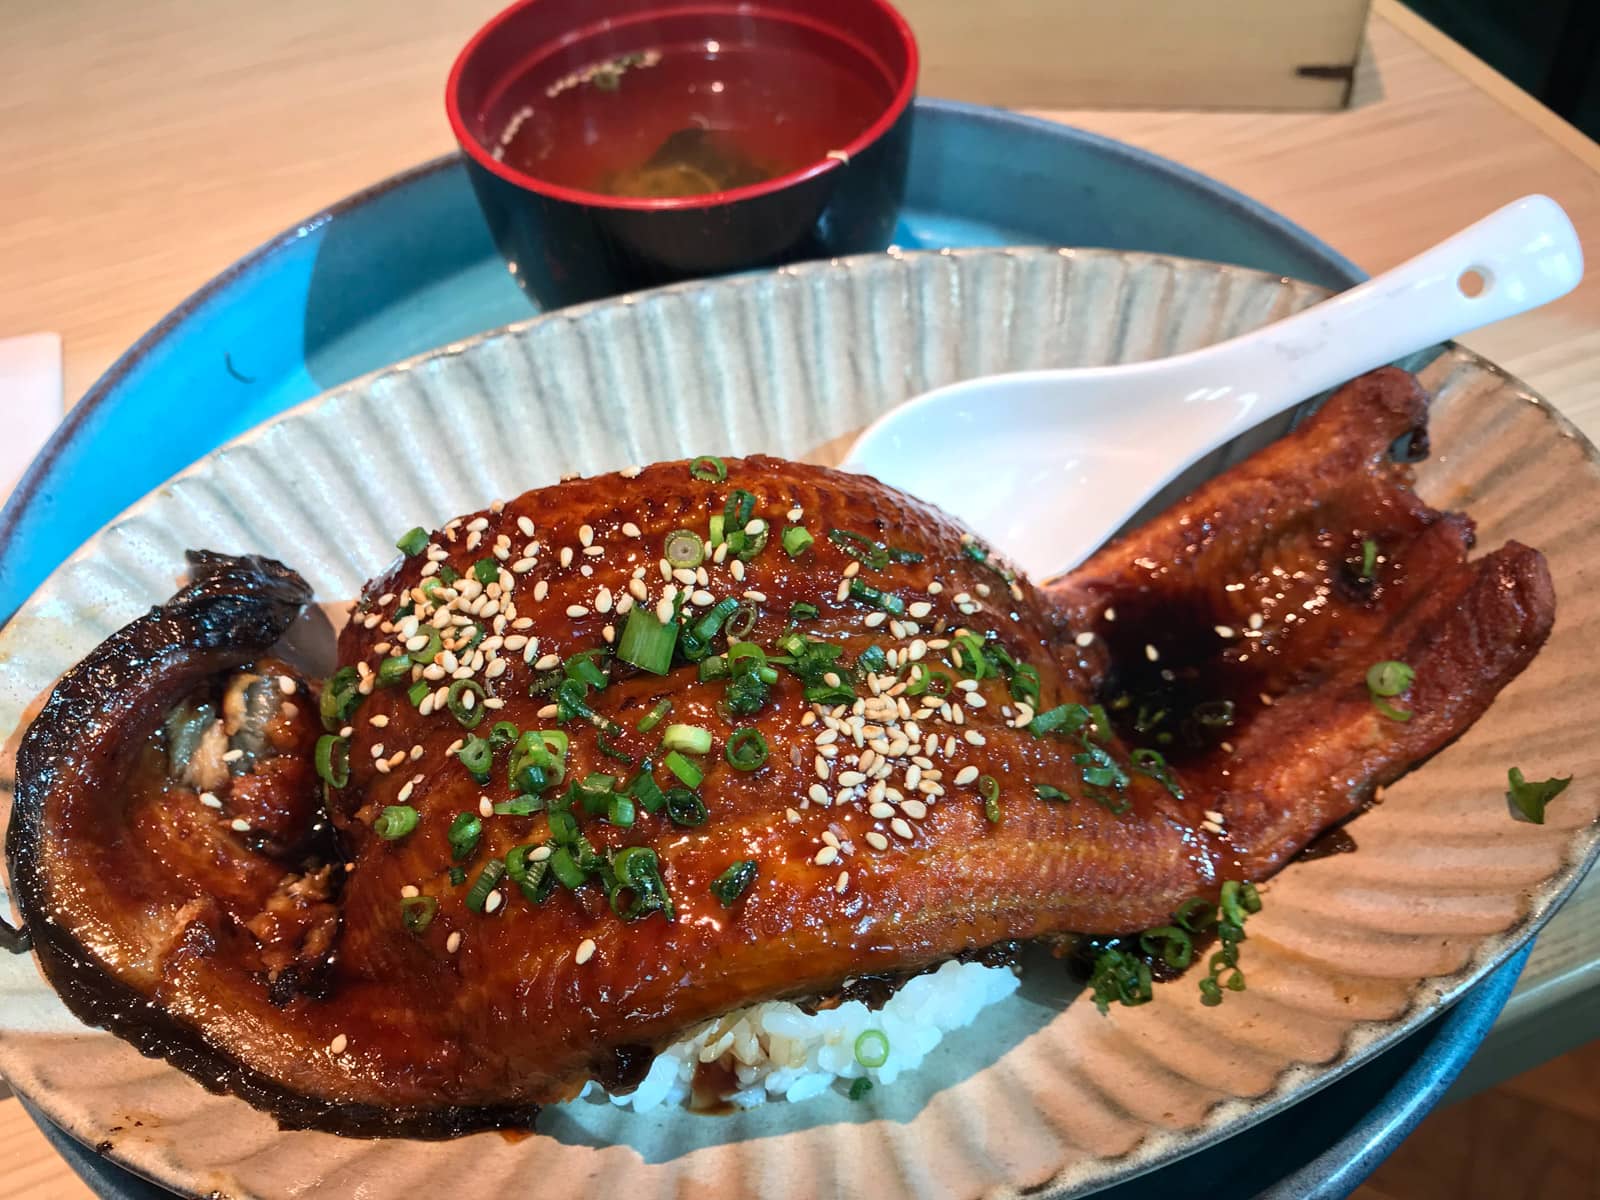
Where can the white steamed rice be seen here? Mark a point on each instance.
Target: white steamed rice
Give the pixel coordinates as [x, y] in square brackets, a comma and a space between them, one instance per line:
[777, 1051]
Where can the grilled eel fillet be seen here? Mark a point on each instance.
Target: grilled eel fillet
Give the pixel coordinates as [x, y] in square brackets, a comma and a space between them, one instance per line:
[266, 928]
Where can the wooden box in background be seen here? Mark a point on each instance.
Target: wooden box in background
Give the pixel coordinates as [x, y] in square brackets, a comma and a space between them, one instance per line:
[1139, 53]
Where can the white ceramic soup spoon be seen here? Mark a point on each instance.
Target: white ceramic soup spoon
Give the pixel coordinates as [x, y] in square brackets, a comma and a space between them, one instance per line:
[1046, 465]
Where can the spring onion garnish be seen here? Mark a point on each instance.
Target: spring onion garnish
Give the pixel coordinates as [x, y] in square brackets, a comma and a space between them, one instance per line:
[1025, 685]
[456, 876]
[1121, 977]
[687, 772]
[1170, 944]
[685, 808]
[486, 571]
[502, 734]
[520, 806]
[1238, 900]
[872, 1048]
[1369, 558]
[746, 749]
[395, 821]
[860, 1087]
[638, 875]
[538, 761]
[749, 678]
[563, 827]
[412, 541]
[417, 912]
[418, 692]
[731, 884]
[465, 831]
[865, 593]
[979, 553]
[989, 789]
[797, 540]
[742, 621]
[477, 755]
[653, 717]
[566, 869]
[691, 739]
[646, 791]
[1154, 764]
[594, 793]
[695, 639]
[428, 653]
[430, 587]
[872, 661]
[602, 739]
[333, 760]
[1046, 792]
[583, 668]
[683, 548]
[801, 611]
[646, 642]
[1196, 915]
[340, 698]
[1530, 797]
[930, 680]
[394, 670]
[465, 702]
[484, 884]
[708, 469]
[532, 877]
[1386, 679]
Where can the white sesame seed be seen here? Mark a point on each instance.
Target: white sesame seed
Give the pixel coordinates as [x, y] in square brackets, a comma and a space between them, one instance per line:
[757, 597]
[410, 892]
[843, 882]
[594, 552]
[565, 557]
[1256, 620]
[1084, 638]
[843, 593]
[240, 825]
[915, 809]
[492, 902]
[586, 534]
[337, 1046]
[233, 756]
[900, 829]
[602, 600]
[548, 662]
[852, 569]
[974, 738]
[1151, 653]
[819, 794]
[209, 800]
[1224, 631]
[629, 529]
[453, 942]
[1266, 700]
[630, 472]
[586, 950]
[576, 611]
[485, 807]
[541, 590]
[876, 840]
[966, 775]
[881, 811]
[851, 778]
[827, 856]
[703, 599]
[736, 569]
[638, 590]
[526, 526]
[548, 711]
[1110, 614]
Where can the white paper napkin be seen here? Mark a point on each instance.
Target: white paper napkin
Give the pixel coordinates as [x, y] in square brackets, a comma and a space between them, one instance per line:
[30, 400]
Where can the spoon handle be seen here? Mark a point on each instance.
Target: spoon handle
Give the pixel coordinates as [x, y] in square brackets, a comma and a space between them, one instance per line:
[1516, 259]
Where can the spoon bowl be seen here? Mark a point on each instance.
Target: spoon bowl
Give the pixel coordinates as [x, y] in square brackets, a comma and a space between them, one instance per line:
[1046, 465]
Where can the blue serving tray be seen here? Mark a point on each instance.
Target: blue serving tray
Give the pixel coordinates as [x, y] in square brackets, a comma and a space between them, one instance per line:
[407, 265]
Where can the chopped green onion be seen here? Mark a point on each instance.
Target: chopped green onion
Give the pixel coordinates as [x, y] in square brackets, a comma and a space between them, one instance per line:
[926, 679]
[1385, 679]
[826, 693]
[742, 621]
[647, 643]
[1530, 797]
[1064, 718]
[594, 793]
[872, 1048]
[563, 827]
[333, 760]
[456, 876]
[691, 739]
[860, 1087]
[467, 712]
[503, 734]
[448, 574]
[737, 512]
[708, 469]
[989, 789]
[713, 668]
[801, 611]
[865, 593]
[1046, 792]
[532, 876]
[637, 871]
[1369, 558]
[653, 718]
[685, 808]
[967, 653]
[686, 771]
[746, 750]
[868, 553]
[714, 527]
[421, 658]
[733, 882]
[566, 869]
[465, 831]
[486, 571]
[1154, 764]
[602, 738]
[582, 668]
[395, 669]
[477, 756]
[412, 541]
[521, 806]
[620, 811]
[797, 540]
[872, 661]
[395, 821]
[1121, 977]
[1169, 943]
[418, 692]
[1025, 685]
[695, 639]
[683, 548]
[417, 912]
[538, 761]
[647, 791]
[478, 896]
[340, 698]
[1196, 915]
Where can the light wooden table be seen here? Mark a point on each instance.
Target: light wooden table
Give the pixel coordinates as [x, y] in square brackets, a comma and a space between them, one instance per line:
[144, 147]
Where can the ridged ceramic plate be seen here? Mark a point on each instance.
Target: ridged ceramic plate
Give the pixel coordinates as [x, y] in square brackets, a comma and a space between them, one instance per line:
[1044, 1095]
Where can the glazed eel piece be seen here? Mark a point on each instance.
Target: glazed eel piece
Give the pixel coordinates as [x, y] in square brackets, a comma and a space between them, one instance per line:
[378, 984]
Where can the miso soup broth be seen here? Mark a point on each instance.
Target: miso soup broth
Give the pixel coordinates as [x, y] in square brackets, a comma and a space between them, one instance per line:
[685, 117]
